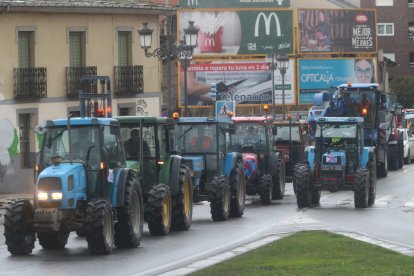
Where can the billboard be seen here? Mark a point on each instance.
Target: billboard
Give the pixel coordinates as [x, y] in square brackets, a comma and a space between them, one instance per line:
[197, 4]
[316, 75]
[244, 82]
[337, 30]
[261, 32]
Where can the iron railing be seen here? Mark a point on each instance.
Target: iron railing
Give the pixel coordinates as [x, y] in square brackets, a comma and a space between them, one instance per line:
[129, 80]
[73, 75]
[30, 83]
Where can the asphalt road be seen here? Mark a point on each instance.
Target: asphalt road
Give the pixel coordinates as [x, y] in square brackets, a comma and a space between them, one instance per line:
[390, 219]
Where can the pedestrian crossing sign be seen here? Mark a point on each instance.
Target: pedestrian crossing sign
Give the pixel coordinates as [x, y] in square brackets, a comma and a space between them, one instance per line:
[223, 107]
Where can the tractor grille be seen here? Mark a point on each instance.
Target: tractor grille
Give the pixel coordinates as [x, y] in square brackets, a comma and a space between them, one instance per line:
[50, 204]
[50, 184]
[332, 174]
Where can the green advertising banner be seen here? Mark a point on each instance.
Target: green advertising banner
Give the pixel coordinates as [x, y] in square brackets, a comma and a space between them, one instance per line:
[242, 32]
[199, 4]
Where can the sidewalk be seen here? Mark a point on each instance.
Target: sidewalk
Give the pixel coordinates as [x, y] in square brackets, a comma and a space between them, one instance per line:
[4, 198]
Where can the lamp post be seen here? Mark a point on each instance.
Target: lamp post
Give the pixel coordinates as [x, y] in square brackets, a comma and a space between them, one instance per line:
[283, 65]
[183, 52]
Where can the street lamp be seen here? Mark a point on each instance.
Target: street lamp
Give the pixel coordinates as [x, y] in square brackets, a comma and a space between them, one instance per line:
[283, 65]
[183, 52]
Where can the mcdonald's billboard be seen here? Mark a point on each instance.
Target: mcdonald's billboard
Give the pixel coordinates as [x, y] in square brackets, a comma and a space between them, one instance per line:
[242, 32]
[337, 30]
[199, 4]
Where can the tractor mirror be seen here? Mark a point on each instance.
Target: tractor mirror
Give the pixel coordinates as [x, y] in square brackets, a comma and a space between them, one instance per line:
[274, 130]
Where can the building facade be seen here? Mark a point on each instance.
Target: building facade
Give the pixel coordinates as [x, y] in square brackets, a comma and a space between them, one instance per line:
[395, 24]
[45, 47]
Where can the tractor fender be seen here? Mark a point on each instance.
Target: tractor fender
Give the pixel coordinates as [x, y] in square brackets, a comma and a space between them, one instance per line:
[310, 156]
[230, 162]
[366, 156]
[174, 174]
[120, 177]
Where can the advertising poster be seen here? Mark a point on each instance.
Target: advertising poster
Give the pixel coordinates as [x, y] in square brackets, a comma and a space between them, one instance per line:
[261, 32]
[244, 82]
[197, 4]
[338, 30]
[326, 74]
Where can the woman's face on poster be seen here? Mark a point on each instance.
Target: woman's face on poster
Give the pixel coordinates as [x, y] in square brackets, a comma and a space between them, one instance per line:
[363, 71]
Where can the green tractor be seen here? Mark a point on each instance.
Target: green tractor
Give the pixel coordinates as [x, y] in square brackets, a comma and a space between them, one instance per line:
[165, 178]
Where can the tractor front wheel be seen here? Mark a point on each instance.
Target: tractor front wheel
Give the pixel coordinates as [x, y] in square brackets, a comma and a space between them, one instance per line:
[20, 238]
[266, 189]
[301, 177]
[238, 190]
[361, 193]
[129, 228]
[99, 228]
[182, 212]
[220, 198]
[158, 210]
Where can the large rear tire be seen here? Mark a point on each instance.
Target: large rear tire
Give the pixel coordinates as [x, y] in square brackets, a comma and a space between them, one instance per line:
[279, 181]
[158, 210]
[382, 168]
[361, 193]
[182, 213]
[301, 177]
[99, 228]
[20, 238]
[266, 189]
[393, 158]
[53, 240]
[130, 225]
[238, 190]
[220, 198]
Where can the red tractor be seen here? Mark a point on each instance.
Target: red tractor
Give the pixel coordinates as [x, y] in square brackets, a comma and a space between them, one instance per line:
[263, 165]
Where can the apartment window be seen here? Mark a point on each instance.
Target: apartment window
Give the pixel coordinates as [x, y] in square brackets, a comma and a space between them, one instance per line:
[26, 49]
[124, 48]
[76, 49]
[411, 59]
[27, 120]
[385, 29]
[384, 2]
[390, 56]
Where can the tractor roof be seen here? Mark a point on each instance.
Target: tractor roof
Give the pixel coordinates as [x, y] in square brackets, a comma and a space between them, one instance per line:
[207, 120]
[287, 122]
[144, 119]
[264, 120]
[355, 120]
[360, 85]
[83, 121]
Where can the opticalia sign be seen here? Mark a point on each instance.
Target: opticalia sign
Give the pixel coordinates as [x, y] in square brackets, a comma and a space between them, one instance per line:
[241, 32]
[198, 4]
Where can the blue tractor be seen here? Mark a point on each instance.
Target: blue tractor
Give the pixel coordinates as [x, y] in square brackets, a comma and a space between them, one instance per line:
[338, 161]
[83, 185]
[218, 173]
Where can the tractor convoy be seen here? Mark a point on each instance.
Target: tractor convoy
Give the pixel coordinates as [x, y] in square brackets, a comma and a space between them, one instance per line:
[103, 177]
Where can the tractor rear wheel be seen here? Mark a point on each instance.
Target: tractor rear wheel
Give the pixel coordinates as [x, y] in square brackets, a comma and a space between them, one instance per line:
[20, 238]
[279, 181]
[361, 193]
[158, 210]
[53, 239]
[220, 198]
[393, 158]
[382, 169]
[238, 190]
[99, 228]
[301, 177]
[182, 212]
[130, 225]
[266, 189]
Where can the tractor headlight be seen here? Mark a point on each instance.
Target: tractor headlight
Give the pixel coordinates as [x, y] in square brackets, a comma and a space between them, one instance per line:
[56, 196]
[42, 196]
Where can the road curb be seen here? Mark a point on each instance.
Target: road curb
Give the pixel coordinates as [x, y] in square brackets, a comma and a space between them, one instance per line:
[198, 265]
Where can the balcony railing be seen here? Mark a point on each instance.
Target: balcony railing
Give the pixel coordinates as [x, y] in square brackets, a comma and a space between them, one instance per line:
[73, 75]
[129, 80]
[30, 83]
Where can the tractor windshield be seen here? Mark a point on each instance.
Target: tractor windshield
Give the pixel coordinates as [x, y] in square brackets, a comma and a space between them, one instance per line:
[336, 130]
[361, 104]
[249, 136]
[286, 134]
[196, 138]
[83, 145]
